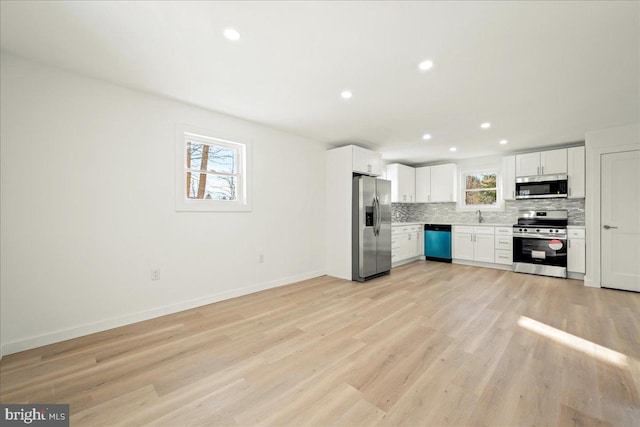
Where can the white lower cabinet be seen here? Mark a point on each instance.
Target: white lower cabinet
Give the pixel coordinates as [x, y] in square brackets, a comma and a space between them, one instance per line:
[576, 250]
[504, 245]
[406, 242]
[474, 243]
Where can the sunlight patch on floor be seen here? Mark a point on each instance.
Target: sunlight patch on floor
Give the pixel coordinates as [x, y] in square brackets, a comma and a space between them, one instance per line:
[587, 347]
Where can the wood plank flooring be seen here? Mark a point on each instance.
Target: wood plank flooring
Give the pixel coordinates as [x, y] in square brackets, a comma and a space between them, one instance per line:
[431, 344]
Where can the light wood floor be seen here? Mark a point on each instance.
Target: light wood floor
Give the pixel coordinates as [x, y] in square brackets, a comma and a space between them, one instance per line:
[430, 345]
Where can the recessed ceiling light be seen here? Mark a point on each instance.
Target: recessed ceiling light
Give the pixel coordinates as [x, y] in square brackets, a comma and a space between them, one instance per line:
[426, 136]
[503, 141]
[232, 34]
[485, 125]
[425, 65]
[346, 94]
[452, 149]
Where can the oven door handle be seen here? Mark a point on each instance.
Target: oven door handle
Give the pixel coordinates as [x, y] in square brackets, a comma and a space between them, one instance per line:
[519, 236]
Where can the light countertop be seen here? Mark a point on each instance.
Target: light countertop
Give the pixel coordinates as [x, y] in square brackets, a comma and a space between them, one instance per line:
[486, 224]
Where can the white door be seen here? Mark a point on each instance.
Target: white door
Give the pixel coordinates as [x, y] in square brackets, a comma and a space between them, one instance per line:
[509, 177]
[463, 246]
[484, 248]
[423, 184]
[553, 162]
[442, 183]
[620, 227]
[528, 164]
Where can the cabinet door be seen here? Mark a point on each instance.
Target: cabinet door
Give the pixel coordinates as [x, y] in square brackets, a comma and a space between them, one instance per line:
[509, 177]
[528, 164]
[423, 184]
[463, 246]
[443, 183]
[553, 161]
[417, 243]
[576, 256]
[393, 175]
[407, 184]
[576, 172]
[484, 248]
[407, 246]
[376, 163]
[366, 161]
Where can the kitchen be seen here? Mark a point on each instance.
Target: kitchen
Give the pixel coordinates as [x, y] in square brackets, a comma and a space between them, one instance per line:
[425, 197]
[177, 219]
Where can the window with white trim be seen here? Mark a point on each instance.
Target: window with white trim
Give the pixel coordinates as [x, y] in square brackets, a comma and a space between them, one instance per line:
[212, 172]
[480, 190]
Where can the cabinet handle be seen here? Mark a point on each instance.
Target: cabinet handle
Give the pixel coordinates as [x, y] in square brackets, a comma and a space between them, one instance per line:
[542, 167]
[569, 244]
[513, 194]
[569, 192]
[538, 170]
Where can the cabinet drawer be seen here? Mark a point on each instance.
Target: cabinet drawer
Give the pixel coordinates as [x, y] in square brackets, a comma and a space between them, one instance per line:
[417, 228]
[504, 257]
[483, 230]
[504, 231]
[395, 243]
[576, 233]
[463, 229]
[503, 242]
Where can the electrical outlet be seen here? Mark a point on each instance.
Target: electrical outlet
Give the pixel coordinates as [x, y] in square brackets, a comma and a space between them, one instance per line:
[155, 274]
[261, 259]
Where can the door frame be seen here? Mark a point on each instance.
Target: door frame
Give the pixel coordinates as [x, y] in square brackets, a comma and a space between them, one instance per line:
[607, 141]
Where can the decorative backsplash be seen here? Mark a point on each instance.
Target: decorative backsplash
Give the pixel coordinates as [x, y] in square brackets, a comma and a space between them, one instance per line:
[445, 213]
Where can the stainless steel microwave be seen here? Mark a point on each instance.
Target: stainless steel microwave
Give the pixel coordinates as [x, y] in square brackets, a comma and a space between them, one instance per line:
[541, 187]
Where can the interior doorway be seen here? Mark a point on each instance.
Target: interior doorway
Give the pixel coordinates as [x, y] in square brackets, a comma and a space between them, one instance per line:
[620, 220]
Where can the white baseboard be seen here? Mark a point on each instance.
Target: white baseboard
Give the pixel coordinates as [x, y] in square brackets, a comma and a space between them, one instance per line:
[507, 267]
[115, 322]
[591, 283]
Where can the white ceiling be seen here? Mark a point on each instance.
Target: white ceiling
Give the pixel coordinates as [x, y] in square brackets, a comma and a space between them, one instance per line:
[543, 73]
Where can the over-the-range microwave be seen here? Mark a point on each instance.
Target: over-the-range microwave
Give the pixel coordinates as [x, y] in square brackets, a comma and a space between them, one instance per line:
[541, 187]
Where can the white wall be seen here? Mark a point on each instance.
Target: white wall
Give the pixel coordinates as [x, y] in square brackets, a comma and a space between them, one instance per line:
[597, 143]
[88, 209]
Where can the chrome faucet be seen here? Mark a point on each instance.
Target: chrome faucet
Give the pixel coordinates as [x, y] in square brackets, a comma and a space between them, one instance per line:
[480, 219]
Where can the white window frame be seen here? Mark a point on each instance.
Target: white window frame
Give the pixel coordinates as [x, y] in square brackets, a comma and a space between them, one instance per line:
[185, 134]
[462, 206]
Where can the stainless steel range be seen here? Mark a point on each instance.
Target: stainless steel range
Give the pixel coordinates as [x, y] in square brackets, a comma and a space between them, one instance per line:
[540, 243]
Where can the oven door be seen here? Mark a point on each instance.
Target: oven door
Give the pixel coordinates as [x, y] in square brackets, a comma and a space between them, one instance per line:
[541, 251]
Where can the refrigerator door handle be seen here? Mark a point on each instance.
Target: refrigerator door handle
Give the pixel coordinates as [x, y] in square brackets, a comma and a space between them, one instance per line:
[376, 207]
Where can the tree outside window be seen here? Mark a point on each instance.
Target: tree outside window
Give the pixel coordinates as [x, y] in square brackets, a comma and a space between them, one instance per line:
[480, 189]
[212, 171]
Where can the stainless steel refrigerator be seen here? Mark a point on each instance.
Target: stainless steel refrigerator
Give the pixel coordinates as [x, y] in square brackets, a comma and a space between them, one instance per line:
[371, 252]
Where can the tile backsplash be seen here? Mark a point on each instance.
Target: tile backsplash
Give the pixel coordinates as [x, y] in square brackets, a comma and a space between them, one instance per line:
[445, 213]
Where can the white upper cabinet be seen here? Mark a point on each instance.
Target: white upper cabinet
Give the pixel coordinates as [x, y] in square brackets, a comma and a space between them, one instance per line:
[436, 183]
[509, 177]
[528, 164]
[423, 184]
[367, 161]
[403, 183]
[542, 163]
[443, 183]
[553, 162]
[576, 172]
